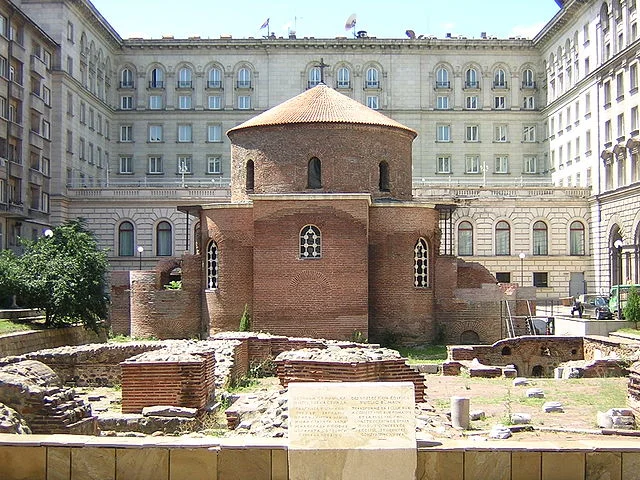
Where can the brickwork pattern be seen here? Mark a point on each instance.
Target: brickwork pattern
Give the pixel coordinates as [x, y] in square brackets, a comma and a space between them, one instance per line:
[23, 342]
[120, 307]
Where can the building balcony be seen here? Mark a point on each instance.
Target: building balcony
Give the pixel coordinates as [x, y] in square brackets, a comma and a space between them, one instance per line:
[17, 91]
[126, 85]
[15, 130]
[214, 84]
[243, 84]
[443, 85]
[188, 84]
[472, 85]
[529, 85]
[500, 85]
[37, 103]
[156, 84]
[36, 140]
[38, 66]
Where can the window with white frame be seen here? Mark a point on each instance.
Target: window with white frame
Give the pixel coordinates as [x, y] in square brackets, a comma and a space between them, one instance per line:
[501, 164]
[214, 78]
[126, 102]
[212, 265]
[372, 78]
[126, 165]
[155, 133]
[607, 131]
[421, 264]
[46, 96]
[310, 242]
[164, 239]
[465, 238]
[155, 102]
[214, 165]
[344, 78]
[503, 238]
[156, 78]
[81, 148]
[443, 133]
[529, 102]
[529, 133]
[184, 165]
[46, 129]
[471, 102]
[314, 77]
[471, 78]
[83, 113]
[442, 78]
[214, 133]
[184, 78]
[472, 164]
[244, 102]
[70, 32]
[442, 102]
[125, 239]
[530, 164]
[443, 164]
[501, 133]
[184, 102]
[126, 133]
[155, 165]
[214, 102]
[606, 93]
[576, 238]
[126, 78]
[540, 238]
[633, 119]
[499, 102]
[185, 133]
[472, 133]
[244, 78]
[528, 78]
[372, 102]
[633, 77]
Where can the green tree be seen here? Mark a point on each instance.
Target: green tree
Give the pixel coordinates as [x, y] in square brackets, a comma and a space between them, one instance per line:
[9, 276]
[631, 309]
[65, 275]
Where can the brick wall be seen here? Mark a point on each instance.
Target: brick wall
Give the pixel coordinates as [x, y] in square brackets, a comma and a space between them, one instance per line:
[349, 154]
[120, 308]
[178, 383]
[160, 313]
[321, 297]
[396, 306]
[24, 342]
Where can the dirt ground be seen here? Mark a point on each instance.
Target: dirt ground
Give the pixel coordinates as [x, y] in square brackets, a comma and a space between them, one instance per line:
[498, 398]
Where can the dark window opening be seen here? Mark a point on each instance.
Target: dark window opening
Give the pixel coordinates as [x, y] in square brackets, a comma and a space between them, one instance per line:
[537, 371]
[540, 279]
[506, 350]
[314, 173]
[503, 277]
[250, 177]
[384, 177]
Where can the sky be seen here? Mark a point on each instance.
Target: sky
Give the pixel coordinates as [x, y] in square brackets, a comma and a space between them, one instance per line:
[326, 18]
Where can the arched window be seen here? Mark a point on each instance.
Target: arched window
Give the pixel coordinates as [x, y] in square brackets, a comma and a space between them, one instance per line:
[310, 242]
[126, 78]
[244, 78]
[465, 238]
[163, 239]
[604, 17]
[442, 78]
[184, 78]
[576, 238]
[157, 78]
[212, 265]
[471, 78]
[315, 77]
[540, 240]
[383, 183]
[372, 78]
[503, 238]
[250, 178]
[314, 173]
[421, 264]
[528, 79]
[214, 79]
[125, 239]
[499, 78]
[344, 78]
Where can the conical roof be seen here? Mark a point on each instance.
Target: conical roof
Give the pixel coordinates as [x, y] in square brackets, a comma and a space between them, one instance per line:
[321, 104]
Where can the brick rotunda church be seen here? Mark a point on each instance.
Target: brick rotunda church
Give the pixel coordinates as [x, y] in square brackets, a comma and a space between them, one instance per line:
[322, 237]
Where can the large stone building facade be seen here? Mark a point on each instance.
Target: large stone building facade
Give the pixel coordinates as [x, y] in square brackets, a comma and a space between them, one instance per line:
[534, 142]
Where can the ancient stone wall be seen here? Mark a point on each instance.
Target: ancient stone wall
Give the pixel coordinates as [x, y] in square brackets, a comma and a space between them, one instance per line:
[22, 342]
[120, 308]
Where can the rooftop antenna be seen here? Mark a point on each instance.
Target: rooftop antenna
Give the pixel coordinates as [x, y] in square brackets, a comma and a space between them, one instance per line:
[350, 24]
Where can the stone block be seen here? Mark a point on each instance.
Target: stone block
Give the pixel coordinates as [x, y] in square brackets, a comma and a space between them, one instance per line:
[23, 463]
[480, 465]
[602, 465]
[440, 465]
[564, 465]
[241, 464]
[630, 465]
[526, 465]
[142, 464]
[193, 464]
[58, 463]
[93, 463]
[279, 465]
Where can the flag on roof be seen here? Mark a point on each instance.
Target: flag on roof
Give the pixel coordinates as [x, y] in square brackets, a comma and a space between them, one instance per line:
[265, 24]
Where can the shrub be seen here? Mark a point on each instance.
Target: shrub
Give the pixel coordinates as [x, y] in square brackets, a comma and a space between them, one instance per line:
[245, 320]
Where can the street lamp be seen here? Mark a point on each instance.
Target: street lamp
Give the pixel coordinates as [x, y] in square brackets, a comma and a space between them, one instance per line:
[48, 233]
[140, 250]
[522, 255]
[618, 246]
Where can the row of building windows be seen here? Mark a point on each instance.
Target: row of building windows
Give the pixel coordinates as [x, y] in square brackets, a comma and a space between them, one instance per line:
[472, 133]
[184, 165]
[473, 164]
[184, 133]
[540, 238]
[185, 102]
[310, 243]
[163, 237]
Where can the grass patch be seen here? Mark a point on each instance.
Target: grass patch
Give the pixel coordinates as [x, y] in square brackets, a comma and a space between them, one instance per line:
[9, 326]
[424, 353]
[629, 331]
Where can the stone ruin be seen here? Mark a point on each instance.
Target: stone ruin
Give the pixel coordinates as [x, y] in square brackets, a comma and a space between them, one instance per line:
[34, 397]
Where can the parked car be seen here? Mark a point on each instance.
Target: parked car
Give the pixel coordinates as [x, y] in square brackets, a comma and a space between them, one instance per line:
[593, 306]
